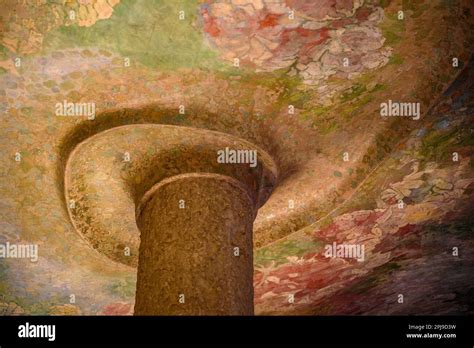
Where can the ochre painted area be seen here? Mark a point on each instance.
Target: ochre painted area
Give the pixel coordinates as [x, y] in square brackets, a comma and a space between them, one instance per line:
[301, 84]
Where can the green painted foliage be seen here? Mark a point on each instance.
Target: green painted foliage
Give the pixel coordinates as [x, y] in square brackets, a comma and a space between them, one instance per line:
[279, 252]
[148, 31]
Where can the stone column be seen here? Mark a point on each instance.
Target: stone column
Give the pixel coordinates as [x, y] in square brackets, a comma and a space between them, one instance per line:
[196, 247]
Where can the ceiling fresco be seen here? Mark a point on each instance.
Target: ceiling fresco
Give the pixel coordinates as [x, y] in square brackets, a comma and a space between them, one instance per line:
[267, 157]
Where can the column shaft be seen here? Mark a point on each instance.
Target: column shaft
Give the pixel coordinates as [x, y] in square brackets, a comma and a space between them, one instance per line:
[196, 248]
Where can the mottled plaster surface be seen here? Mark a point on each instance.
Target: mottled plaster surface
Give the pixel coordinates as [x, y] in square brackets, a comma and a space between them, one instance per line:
[188, 62]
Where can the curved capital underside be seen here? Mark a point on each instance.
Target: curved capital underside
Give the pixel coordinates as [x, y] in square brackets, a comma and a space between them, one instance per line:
[107, 175]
